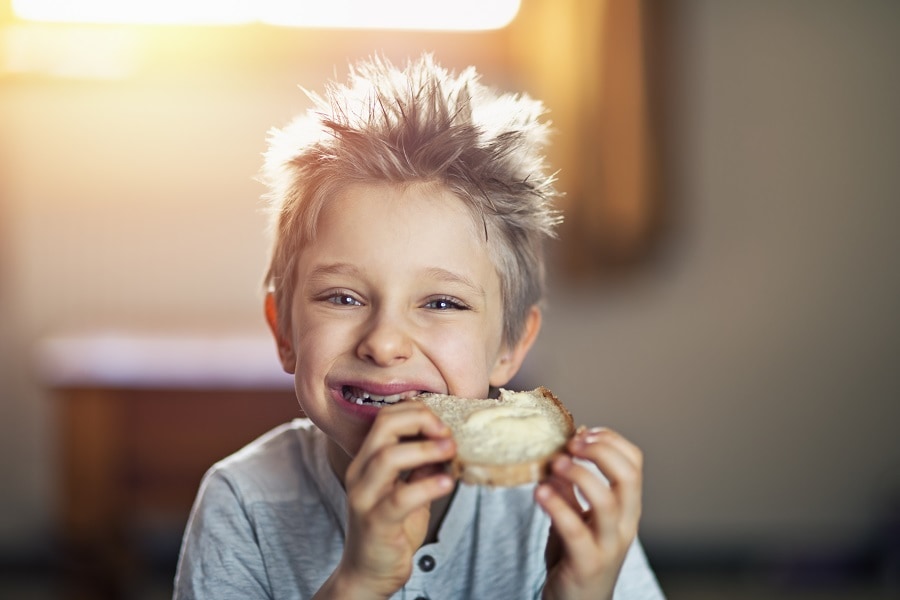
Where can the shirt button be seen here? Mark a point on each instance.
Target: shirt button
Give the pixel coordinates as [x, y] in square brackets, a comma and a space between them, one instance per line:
[426, 563]
[421, 598]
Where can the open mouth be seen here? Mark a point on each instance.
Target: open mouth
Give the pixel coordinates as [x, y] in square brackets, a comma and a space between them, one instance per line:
[356, 395]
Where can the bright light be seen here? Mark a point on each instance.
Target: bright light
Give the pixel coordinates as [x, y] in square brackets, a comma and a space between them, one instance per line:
[155, 12]
[453, 15]
[448, 15]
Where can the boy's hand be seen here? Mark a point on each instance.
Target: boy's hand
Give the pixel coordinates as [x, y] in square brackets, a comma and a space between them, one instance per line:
[389, 513]
[587, 548]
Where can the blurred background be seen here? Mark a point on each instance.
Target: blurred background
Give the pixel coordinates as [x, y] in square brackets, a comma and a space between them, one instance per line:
[724, 291]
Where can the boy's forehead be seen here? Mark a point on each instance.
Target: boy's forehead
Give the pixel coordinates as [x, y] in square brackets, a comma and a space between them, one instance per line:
[414, 224]
[419, 199]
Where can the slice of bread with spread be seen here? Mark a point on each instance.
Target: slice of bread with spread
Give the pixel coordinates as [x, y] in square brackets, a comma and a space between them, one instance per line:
[504, 441]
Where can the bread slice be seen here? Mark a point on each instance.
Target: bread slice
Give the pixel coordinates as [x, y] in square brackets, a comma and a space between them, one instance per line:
[505, 441]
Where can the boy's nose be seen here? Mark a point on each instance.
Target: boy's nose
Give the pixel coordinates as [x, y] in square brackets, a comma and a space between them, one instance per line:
[385, 343]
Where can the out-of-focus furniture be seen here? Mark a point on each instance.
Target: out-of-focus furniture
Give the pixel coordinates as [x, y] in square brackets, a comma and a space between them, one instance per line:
[141, 418]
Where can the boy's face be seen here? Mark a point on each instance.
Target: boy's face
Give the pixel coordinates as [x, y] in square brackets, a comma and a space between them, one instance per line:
[396, 295]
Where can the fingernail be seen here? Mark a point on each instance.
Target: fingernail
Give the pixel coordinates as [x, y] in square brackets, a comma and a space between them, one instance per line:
[577, 444]
[589, 436]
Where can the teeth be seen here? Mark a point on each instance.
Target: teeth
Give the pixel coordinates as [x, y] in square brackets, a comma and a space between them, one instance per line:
[358, 396]
[388, 399]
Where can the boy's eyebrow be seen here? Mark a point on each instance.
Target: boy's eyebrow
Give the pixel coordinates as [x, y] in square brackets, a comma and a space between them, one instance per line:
[451, 277]
[436, 273]
[333, 269]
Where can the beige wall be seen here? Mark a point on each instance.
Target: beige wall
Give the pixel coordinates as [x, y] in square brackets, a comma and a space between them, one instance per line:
[754, 359]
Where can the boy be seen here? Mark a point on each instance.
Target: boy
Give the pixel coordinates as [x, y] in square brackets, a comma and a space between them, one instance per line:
[410, 209]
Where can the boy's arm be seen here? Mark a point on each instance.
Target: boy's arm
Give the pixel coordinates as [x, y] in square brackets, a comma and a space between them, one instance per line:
[219, 557]
[588, 547]
[389, 513]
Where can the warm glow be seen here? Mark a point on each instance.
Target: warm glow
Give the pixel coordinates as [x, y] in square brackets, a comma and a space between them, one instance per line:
[393, 14]
[383, 14]
[213, 12]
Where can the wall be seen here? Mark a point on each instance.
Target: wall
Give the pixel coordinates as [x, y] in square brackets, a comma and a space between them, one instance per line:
[756, 359]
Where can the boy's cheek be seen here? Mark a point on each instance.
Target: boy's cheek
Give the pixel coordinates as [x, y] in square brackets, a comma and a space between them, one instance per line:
[466, 363]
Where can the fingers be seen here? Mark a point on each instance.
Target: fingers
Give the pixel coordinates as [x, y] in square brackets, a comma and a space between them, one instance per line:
[568, 519]
[596, 538]
[404, 438]
[584, 437]
[391, 484]
[620, 461]
[402, 420]
[381, 474]
[564, 488]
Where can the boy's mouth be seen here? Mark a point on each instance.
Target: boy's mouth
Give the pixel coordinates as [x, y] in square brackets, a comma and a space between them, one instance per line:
[356, 395]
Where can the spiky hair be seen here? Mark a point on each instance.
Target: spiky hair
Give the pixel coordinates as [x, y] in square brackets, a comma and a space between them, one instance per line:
[421, 123]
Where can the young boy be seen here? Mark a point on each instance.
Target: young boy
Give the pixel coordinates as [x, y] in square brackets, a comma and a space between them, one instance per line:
[409, 212]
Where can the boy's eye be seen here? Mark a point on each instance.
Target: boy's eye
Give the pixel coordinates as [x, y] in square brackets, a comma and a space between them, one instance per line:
[342, 299]
[446, 304]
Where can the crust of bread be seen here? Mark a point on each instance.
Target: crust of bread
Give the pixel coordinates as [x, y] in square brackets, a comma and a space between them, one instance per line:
[518, 473]
[502, 475]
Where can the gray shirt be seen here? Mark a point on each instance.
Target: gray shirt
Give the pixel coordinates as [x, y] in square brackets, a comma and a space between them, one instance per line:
[270, 521]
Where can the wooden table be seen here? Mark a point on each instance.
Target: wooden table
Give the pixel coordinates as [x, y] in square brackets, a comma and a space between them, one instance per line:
[141, 419]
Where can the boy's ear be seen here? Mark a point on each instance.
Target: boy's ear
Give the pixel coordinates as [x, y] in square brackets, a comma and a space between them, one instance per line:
[285, 350]
[510, 360]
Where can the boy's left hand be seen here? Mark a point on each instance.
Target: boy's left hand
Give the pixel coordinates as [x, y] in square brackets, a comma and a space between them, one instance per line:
[586, 548]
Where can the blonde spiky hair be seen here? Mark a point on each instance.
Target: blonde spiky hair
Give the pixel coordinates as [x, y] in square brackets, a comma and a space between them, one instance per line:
[421, 123]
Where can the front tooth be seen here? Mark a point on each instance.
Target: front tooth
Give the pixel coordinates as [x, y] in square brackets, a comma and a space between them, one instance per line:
[360, 396]
[386, 399]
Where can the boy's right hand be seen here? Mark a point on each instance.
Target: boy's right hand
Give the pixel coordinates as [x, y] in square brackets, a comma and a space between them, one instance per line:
[389, 513]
